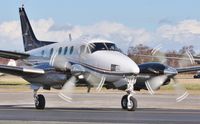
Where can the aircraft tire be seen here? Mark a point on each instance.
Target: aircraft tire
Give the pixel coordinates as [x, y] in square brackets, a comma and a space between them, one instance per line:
[40, 102]
[124, 102]
[133, 104]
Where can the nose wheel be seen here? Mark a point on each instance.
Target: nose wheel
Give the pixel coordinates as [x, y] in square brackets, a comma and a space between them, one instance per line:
[39, 101]
[129, 102]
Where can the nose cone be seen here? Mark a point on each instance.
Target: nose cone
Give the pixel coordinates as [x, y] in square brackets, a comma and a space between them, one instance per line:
[129, 66]
[116, 62]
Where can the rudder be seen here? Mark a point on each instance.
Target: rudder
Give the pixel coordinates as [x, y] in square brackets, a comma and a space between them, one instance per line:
[29, 40]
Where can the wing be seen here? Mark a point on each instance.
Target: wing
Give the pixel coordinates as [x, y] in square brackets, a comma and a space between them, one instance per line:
[188, 69]
[13, 55]
[168, 57]
[20, 71]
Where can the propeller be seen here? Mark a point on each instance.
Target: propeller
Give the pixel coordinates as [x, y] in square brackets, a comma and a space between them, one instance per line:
[156, 82]
[181, 92]
[61, 63]
[67, 89]
[156, 52]
[189, 61]
[96, 81]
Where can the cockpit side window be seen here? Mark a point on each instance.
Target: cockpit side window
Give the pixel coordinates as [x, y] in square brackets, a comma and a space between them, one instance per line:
[82, 49]
[85, 49]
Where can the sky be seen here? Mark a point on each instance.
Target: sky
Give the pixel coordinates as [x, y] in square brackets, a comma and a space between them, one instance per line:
[168, 24]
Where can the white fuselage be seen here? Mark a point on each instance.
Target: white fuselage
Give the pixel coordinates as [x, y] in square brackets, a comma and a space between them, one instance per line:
[107, 62]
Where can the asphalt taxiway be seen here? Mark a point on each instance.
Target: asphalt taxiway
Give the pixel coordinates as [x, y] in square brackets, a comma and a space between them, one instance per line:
[18, 107]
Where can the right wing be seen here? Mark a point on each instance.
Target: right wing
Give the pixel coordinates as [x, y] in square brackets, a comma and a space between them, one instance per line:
[13, 55]
[20, 71]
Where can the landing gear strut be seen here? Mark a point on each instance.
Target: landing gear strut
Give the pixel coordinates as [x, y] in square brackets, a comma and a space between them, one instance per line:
[128, 101]
[39, 100]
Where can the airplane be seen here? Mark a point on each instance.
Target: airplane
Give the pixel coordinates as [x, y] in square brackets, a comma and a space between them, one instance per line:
[84, 61]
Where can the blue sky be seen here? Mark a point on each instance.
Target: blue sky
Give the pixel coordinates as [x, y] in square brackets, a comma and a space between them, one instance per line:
[134, 13]
[147, 19]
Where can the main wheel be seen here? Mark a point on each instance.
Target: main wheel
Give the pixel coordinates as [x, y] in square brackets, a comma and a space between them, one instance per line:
[124, 102]
[39, 102]
[133, 104]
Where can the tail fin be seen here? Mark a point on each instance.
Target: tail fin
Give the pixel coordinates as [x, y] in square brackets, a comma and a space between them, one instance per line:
[29, 39]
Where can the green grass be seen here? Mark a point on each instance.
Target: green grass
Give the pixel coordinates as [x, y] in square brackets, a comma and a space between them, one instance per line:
[8, 82]
[13, 83]
[188, 86]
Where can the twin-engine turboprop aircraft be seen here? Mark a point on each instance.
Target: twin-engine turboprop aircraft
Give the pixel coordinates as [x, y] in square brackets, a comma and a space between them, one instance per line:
[87, 62]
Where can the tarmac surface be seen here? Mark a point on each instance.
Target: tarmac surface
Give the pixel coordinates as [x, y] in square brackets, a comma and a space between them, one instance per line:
[18, 107]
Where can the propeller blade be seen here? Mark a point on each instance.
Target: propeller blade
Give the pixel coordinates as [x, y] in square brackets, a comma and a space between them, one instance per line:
[96, 81]
[189, 61]
[101, 83]
[67, 89]
[180, 91]
[155, 83]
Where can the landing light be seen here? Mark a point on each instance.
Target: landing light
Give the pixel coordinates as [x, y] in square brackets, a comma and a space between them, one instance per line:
[80, 76]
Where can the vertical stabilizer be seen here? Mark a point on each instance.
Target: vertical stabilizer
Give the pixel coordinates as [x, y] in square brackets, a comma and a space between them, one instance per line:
[29, 39]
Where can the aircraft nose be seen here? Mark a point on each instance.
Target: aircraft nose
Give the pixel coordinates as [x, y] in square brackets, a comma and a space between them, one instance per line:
[132, 67]
[116, 62]
[127, 65]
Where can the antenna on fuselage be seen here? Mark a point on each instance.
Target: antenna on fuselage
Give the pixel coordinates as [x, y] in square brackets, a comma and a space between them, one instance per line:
[70, 37]
[22, 3]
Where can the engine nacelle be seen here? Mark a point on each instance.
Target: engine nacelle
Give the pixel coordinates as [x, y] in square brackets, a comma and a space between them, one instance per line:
[60, 63]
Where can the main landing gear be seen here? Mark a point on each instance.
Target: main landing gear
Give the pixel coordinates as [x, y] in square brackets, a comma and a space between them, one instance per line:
[128, 101]
[39, 100]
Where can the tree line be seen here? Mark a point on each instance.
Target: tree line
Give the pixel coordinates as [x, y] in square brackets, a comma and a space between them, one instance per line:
[175, 58]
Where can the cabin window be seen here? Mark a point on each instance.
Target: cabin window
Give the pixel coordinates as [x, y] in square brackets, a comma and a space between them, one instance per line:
[42, 53]
[71, 50]
[65, 52]
[60, 51]
[51, 52]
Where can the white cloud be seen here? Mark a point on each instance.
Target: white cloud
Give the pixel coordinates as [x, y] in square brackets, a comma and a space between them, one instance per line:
[182, 31]
[10, 30]
[186, 32]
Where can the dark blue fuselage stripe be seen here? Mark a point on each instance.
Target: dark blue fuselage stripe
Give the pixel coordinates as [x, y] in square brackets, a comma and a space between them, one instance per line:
[47, 67]
[102, 72]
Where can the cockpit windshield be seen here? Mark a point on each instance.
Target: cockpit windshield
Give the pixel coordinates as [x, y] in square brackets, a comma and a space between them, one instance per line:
[102, 46]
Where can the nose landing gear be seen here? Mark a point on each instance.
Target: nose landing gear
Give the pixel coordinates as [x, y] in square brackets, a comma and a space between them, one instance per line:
[131, 105]
[128, 101]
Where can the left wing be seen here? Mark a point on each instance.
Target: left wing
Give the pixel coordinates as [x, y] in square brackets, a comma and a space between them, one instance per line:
[169, 57]
[188, 69]
[20, 71]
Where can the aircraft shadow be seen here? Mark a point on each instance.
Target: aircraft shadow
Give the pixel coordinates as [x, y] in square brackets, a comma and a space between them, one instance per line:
[31, 107]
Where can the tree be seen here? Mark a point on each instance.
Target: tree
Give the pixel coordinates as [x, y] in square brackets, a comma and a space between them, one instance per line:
[141, 53]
